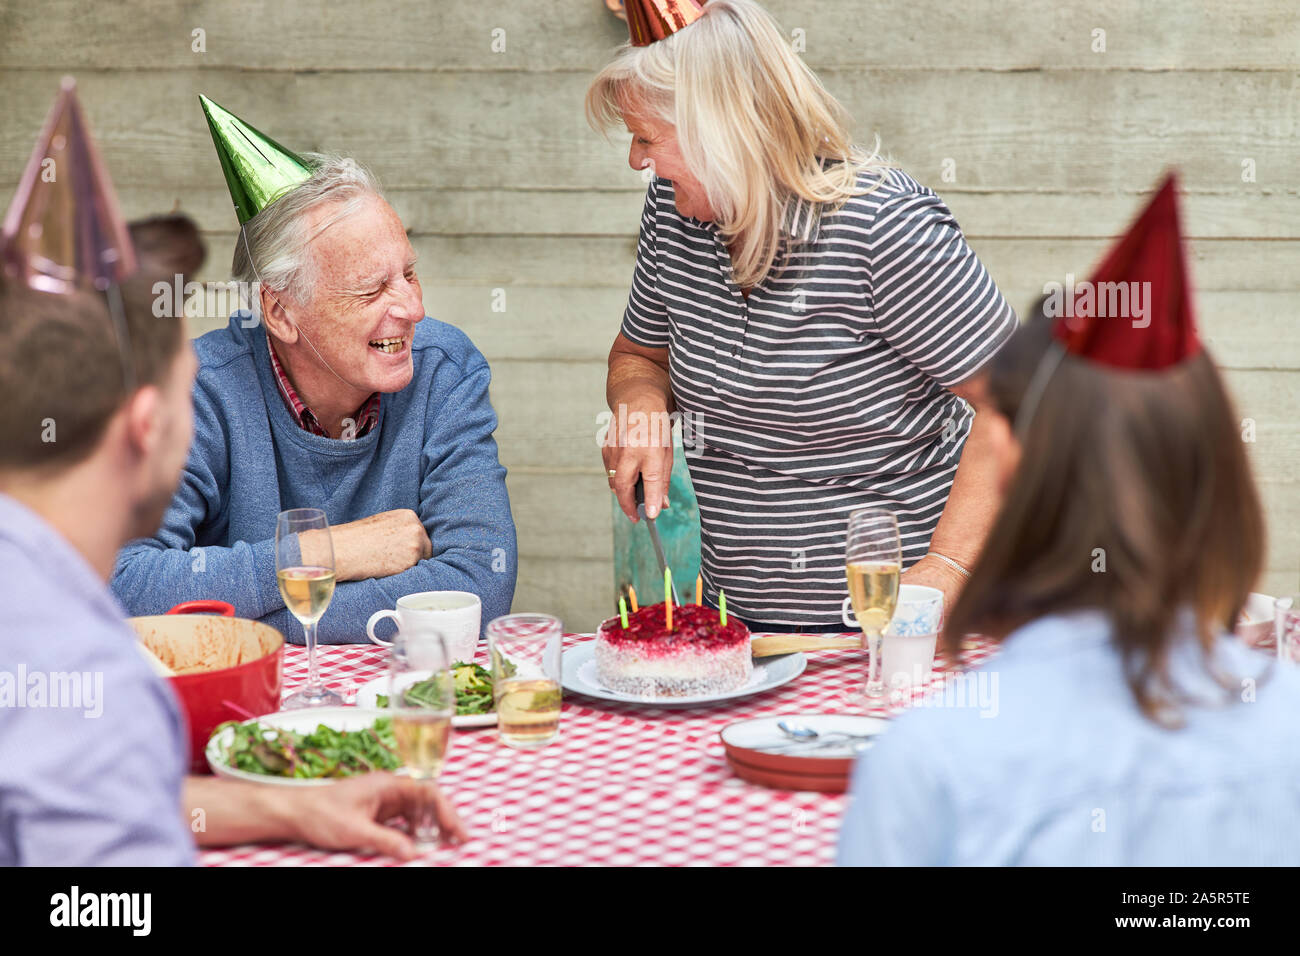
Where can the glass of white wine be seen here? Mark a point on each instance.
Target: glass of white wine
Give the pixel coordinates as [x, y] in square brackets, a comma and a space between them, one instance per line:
[304, 567]
[421, 704]
[525, 653]
[873, 564]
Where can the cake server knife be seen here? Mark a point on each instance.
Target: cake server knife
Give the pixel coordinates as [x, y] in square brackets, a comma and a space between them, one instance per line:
[654, 533]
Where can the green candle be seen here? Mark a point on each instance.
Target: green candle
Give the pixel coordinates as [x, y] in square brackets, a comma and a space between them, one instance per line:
[622, 611]
[722, 607]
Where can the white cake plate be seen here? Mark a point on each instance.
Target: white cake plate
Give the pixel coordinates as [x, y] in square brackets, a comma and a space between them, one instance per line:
[579, 676]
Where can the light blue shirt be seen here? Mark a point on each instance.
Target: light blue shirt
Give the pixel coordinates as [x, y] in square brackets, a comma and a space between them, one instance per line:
[1050, 763]
[92, 745]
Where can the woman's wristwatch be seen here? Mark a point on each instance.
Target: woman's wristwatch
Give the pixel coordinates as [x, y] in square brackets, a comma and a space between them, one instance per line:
[948, 561]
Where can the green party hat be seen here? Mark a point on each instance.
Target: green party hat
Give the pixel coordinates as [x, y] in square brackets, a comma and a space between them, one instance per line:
[258, 170]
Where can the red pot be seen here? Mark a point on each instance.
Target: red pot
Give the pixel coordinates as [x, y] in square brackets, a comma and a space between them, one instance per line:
[227, 668]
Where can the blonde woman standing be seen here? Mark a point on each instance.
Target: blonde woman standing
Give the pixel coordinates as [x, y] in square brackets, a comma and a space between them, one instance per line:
[816, 311]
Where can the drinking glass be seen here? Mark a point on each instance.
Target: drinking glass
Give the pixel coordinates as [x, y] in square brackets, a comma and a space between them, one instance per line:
[304, 568]
[872, 564]
[422, 703]
[525, 654]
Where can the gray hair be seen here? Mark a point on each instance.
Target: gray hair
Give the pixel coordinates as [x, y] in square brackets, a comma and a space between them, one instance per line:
[277, 237]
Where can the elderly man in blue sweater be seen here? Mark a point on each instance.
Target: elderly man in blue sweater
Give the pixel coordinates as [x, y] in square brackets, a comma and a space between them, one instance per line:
[333, 391]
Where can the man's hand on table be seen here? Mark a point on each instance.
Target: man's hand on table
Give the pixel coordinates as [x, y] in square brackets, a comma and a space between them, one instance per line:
[353, 813]
[376, 547]
[348, 815]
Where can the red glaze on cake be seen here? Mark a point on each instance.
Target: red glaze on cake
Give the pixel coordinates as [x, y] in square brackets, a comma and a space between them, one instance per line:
[699, 656]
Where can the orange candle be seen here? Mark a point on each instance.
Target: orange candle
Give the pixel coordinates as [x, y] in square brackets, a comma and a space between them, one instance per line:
[668, 596]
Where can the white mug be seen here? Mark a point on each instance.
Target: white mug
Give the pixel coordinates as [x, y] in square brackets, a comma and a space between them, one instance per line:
[453, 614]
[919, 611]
[908, 645]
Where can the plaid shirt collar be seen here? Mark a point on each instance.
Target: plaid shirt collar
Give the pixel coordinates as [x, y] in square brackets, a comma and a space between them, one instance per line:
[366, 417]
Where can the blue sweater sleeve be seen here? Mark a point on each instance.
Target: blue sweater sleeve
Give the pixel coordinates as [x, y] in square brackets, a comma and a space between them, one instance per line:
[153, 574]
[465, 509]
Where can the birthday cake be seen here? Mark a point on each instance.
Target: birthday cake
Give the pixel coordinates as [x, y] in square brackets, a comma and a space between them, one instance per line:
[697, 656]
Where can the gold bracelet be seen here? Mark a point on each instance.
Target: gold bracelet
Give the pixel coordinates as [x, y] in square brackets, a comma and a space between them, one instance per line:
[949, 561]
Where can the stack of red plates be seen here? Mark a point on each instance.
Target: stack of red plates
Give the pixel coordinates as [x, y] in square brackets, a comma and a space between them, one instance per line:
[761, 752]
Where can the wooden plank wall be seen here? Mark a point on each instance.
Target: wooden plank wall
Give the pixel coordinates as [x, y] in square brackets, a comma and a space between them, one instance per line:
[470, 112]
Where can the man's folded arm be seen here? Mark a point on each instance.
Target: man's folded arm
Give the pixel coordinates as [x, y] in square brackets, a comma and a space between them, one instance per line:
[152, 576]
[464, 507]
[458, 569]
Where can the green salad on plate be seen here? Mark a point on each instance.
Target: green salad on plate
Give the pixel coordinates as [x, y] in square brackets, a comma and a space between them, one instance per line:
[473, 690]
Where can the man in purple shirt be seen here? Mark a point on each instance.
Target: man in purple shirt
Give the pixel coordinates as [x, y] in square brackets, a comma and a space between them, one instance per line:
[94, 776]
[92, 748]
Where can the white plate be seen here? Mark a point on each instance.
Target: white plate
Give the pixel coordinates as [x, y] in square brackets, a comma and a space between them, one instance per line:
[302, 721]
[367, 696]
[762, 733]
[579, 676]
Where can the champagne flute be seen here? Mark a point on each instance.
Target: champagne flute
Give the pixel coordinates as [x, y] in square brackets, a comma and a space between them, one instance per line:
[422, 703]
[873, 563]
[304, 568]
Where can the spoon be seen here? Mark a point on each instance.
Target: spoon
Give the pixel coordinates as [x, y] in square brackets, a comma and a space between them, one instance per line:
[803, 732]
[856, 746]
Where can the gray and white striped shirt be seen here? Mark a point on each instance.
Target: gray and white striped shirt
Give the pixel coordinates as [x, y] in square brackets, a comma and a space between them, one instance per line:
[822, 393]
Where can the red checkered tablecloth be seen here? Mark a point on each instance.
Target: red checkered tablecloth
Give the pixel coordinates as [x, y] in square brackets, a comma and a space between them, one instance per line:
[625, 784]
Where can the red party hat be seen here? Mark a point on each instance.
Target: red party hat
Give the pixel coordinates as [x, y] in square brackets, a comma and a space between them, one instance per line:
[63, 228]
[1136, 310]
[651, 20]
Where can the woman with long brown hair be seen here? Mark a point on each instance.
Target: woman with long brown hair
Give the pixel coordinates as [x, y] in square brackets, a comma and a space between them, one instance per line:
[1120, 722]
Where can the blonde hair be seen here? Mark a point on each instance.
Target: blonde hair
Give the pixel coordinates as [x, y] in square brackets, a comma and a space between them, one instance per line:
[753, 122]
